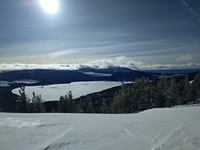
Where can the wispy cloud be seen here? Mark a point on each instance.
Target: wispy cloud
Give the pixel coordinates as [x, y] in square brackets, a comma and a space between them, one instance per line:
[61, 54]
[184, 58]
[193, 12]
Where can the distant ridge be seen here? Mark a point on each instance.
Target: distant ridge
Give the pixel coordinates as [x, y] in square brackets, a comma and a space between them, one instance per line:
[52, 76]
[49, 76]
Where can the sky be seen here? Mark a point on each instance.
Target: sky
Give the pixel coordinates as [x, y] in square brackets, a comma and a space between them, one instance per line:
[155, 32]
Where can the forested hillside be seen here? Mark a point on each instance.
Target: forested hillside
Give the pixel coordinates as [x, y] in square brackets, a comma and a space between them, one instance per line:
[140, 95]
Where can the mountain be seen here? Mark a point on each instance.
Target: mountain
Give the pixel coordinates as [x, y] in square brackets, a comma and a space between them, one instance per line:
[47, 76]
[109, 70]
[172, 71]
[129, 76]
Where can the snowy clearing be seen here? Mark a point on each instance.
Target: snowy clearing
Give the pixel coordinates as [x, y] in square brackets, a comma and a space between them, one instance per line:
[53, 92]
[156, 129]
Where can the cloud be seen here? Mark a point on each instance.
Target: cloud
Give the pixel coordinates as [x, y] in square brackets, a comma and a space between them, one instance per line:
[194, 13]
[120, 61]
[184, 58]
[61, 54]
[20, 66]
[131, 63]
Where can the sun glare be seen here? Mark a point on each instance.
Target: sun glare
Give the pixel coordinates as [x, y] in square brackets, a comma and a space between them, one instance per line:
[50, 6]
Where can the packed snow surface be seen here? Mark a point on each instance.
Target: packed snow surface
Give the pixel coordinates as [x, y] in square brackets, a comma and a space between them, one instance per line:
[156, 129]
[53, 92]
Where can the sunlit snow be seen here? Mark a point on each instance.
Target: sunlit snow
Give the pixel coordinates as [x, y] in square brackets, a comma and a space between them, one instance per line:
[156, 129]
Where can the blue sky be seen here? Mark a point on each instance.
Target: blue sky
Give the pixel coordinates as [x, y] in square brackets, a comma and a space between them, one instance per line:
[153, 32]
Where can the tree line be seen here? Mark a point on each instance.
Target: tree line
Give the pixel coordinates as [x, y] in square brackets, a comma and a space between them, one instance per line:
[140, 95]
[143, 95]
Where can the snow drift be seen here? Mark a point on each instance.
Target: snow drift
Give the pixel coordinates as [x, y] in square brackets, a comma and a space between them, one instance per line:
[155, 129]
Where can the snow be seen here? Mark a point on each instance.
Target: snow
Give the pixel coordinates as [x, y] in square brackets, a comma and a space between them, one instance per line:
[98, 74]
[53, 92]
[156, 129]
[4, 84]
[25, 81]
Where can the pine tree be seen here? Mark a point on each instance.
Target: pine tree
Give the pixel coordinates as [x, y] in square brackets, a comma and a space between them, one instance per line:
[104, 107]
[142, 93]
[122, 101]
[23, 102]
[174, 93]
[71, 104]
[118, 102]
[66, 103]
[37, 105]
[186, 92]
[87, 105]
[162, 92]
[79, 107]
[61, 104]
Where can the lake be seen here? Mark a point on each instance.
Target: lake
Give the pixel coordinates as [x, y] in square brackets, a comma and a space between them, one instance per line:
[54, 91]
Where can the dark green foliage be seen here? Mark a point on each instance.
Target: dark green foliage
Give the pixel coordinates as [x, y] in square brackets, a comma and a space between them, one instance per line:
[134, 98]
[25, 105]
[7, 100]
[66, 103]
[87, 105]
[190, 91]
[196, 81]
[138, 96]
[36, 104]
[122, 101]
[23, 102]
[104, 108]
[173, 93]
[165, 93]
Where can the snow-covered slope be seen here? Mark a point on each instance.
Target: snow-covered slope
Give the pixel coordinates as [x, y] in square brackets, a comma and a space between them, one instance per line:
[156, 129]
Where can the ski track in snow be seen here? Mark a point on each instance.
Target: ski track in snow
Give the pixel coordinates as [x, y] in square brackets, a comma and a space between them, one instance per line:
[155, 129]
[177, 136]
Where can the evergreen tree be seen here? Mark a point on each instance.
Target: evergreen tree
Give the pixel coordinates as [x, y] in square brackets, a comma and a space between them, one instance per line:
[87, 105]
[186, 92]
[194, 91]
[37, 105]
[104, 107]
[122, 101]
[71, 105]
[141, 87]
[153, 99]
[197, 81]
[79, 108]
[66, 103]
[61, 104]
[118, 103]
[23, 102]
[174, 93]
[162, 92]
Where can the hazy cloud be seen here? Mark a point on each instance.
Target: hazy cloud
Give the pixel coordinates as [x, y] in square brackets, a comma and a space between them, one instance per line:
[61, 54]
[184, 58]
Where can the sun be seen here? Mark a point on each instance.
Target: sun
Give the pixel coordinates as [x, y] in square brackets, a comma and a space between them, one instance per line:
[50, 6]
